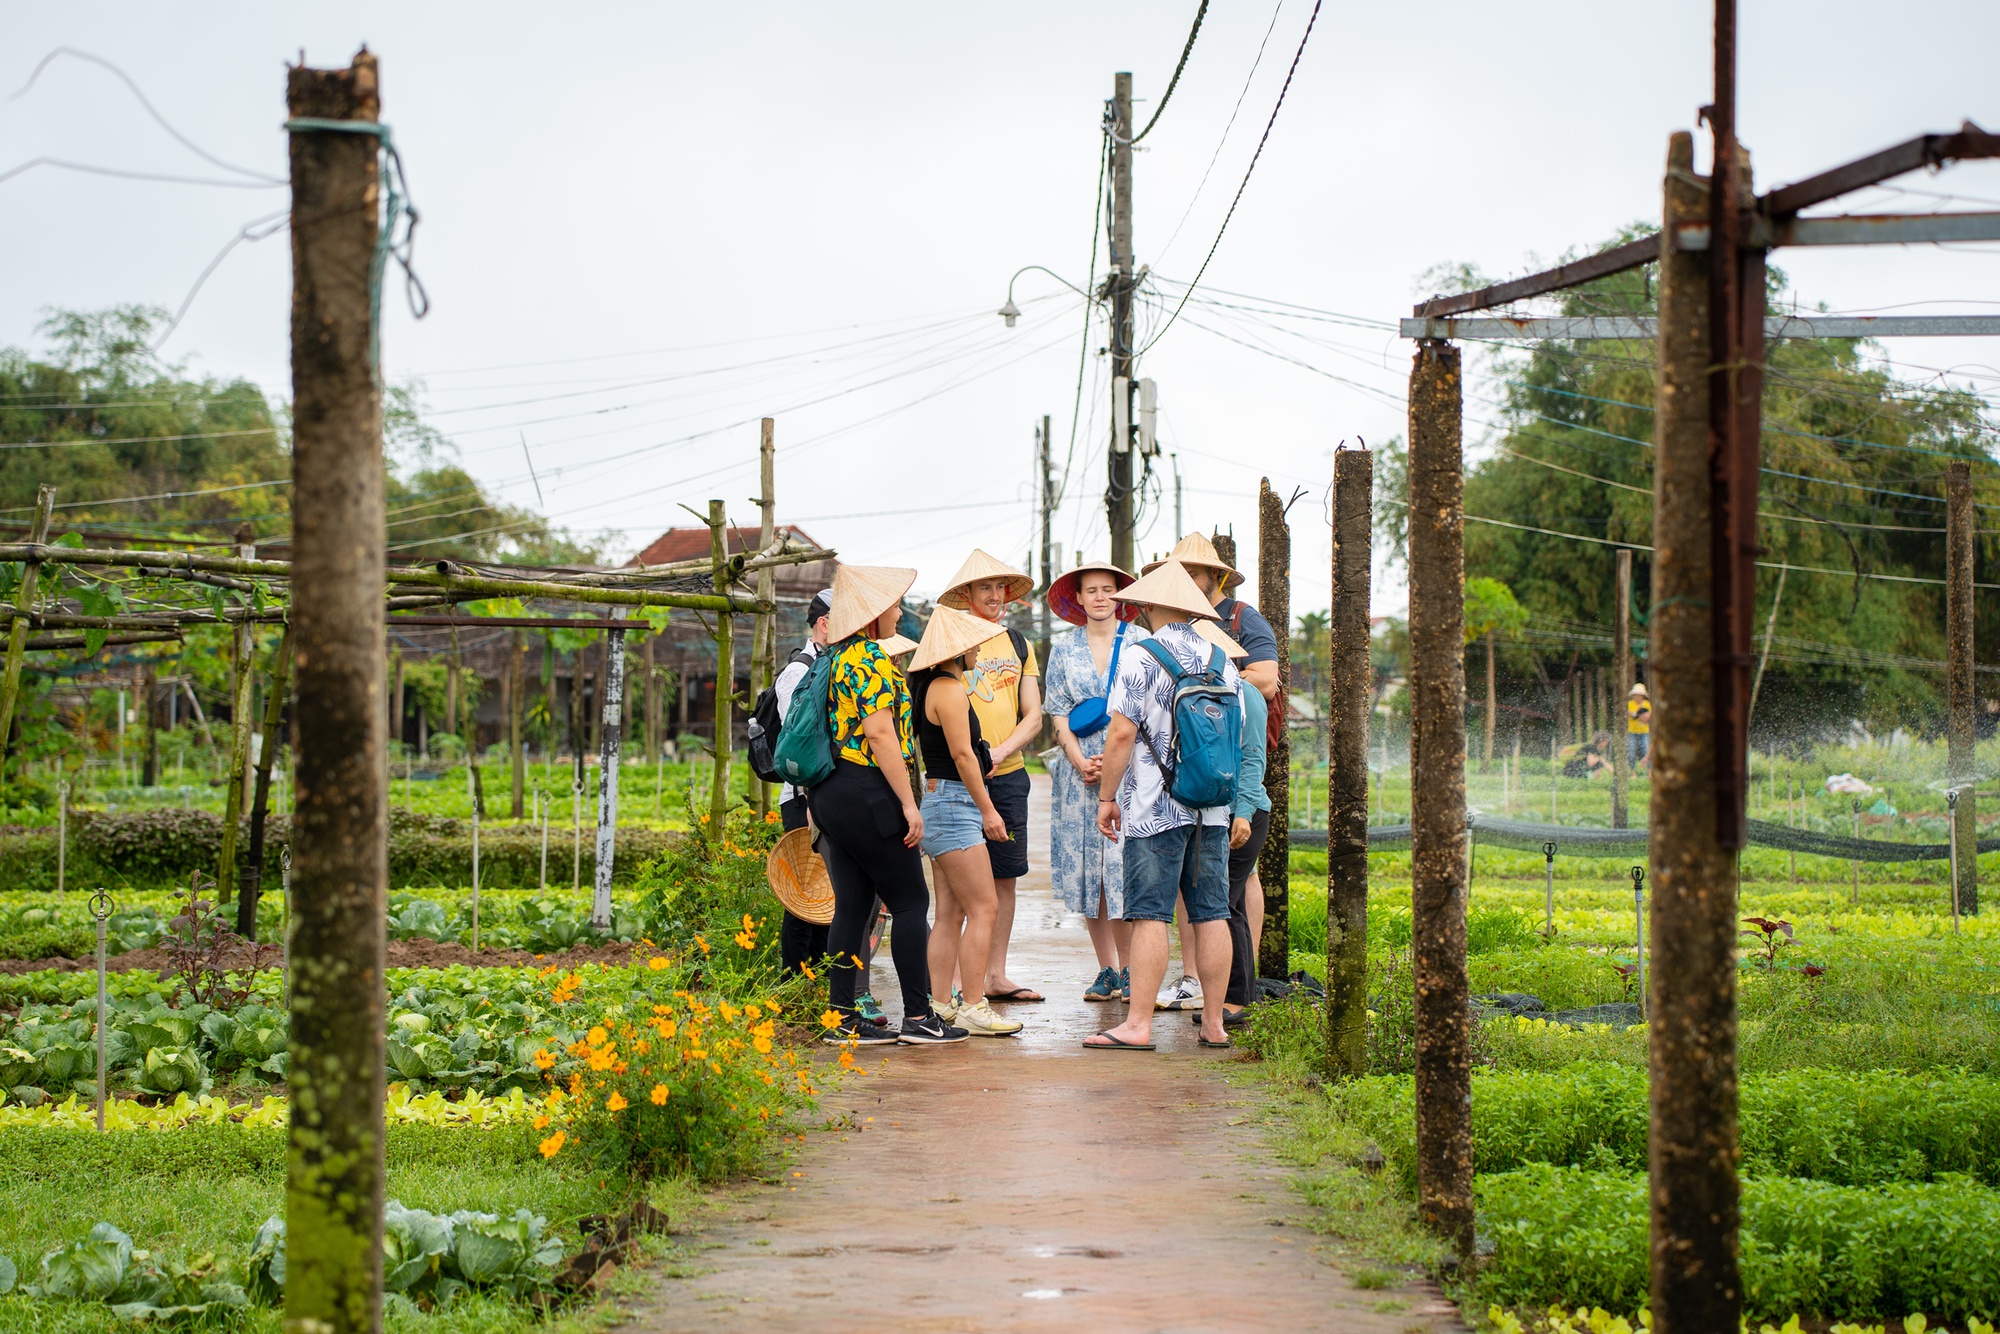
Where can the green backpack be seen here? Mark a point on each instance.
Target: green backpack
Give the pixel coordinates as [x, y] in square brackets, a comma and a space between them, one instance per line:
[804, 755]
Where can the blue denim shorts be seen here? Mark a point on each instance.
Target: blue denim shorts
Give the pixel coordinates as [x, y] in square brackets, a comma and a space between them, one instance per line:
[1166, 866]
[951, 820]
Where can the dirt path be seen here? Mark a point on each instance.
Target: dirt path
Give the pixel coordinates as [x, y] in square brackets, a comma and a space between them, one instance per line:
[1028, 1184]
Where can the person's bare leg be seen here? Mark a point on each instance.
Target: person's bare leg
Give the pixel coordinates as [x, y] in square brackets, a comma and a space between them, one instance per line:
[1149, 969]
[1121, 933]
[1190, 943]
[1253, 907]
[1101, 936]
[971, 878]
[950, 923]
[1213, 947]
[997, 981]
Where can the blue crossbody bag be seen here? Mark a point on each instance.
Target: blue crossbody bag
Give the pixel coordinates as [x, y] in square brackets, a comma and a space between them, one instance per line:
[1090, 716]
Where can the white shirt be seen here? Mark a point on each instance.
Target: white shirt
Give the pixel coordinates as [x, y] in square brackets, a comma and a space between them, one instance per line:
[1144, 692]
[787, 682]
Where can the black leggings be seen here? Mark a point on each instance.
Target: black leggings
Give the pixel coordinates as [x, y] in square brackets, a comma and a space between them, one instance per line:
[799, 942]
[861, 839]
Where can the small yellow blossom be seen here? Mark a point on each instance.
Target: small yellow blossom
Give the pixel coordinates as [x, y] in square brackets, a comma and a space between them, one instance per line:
[616, 1102]
[656, 963]
[553, 1144]
[659, 1095]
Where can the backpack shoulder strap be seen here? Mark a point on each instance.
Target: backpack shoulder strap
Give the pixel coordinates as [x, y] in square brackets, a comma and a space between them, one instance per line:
[1236, 619]
[799, 655]
[1165, 658]
[1020, 643]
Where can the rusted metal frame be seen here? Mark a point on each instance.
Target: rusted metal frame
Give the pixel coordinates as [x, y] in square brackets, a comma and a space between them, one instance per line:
[1926, 150]
[1618, 259]
[1853, 229]
[510, 622]
[1646, 328]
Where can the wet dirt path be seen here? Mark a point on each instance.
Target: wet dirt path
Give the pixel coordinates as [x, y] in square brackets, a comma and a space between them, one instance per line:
[1027, 1184]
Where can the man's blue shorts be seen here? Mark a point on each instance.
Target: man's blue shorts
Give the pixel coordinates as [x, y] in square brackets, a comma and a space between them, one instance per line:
[1163, 867]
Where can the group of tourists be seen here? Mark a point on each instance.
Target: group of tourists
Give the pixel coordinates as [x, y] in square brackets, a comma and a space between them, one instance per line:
[1161, 717]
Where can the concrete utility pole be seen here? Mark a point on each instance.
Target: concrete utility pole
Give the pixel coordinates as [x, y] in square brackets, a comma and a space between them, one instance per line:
[1048, 538]
[1438, 867]
[1621, 657]
[1961, 524]
[340, 835]
[763, 661]
[1274, 598]
[1695, 1199]
[1118, 497]
[1350, 680]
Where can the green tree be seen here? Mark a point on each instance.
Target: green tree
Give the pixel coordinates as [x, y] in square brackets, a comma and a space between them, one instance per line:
[1491, 611]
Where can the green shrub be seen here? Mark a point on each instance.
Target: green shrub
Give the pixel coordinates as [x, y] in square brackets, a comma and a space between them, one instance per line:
[49, 942]
[1575, 1237]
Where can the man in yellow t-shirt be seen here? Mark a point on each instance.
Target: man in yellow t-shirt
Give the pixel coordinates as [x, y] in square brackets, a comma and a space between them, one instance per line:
[1005, 686]
[1638, 725]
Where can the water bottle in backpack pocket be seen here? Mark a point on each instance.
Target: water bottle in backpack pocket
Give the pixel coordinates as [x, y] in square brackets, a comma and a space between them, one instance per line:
[1206, 746]
[764, 726]
[804, 754]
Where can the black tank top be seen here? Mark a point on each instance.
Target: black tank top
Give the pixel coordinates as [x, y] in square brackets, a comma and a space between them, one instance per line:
[932, 747]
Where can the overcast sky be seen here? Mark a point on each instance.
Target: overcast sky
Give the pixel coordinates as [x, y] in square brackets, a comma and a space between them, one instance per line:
[646, 225]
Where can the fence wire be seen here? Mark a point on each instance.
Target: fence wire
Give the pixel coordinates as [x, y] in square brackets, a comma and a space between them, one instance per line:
[1585, 841]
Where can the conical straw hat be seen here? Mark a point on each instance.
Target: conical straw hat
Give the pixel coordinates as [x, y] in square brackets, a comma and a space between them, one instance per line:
[896, 645]
[1168, 587]
[1212, 632]
[1195, 549]
[979, 565]
[798, 877]
[1062, 593]
[861, 593]
[950, 633]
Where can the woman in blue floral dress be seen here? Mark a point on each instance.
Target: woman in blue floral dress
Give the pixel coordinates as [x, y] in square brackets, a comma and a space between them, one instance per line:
[1084, 865]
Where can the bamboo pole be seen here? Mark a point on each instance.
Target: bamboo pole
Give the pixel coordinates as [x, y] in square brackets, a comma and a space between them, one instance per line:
[725, 670]
[611, 735]
[253, 864]
[763, 641]
[24, 603]
[513, 682]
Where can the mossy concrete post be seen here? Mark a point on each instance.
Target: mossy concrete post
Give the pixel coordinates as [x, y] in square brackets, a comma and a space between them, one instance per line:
[340, 863]
[1693, 1150]
[1961, 524]
[1274, 599]
[1438, 868]
[1350, 682]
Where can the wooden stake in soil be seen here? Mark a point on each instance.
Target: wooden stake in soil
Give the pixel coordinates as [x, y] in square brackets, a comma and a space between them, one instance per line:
[333, 1199]
[611, 735]
[1960, 686]
[513, 683]
[1350, 676]
[239, 746]
[1437, 794]
[1693, 1149]
[1621, 687]
[17, 631]
[725, 670]
[764, 640]
[1274, 598]
[252, 884]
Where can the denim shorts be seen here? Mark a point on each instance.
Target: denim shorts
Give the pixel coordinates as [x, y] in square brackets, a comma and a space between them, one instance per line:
[1165, 866]
[951, 820]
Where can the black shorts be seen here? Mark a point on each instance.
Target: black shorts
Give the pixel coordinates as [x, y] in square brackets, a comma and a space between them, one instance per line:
[1243, 860]
[1010, 798]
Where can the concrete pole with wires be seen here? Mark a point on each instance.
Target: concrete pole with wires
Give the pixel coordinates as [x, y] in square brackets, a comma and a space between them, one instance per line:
[1351, 678]
[1274, 598]
[1960, 689]
[1118, 495]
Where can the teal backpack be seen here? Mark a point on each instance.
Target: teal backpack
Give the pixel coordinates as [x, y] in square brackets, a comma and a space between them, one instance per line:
[804, 755]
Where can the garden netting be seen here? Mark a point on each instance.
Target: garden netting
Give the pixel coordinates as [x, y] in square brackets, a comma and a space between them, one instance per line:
[1586, 841]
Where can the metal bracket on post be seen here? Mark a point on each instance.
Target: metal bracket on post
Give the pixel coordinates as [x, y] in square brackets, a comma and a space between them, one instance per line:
[1549, 894]
[1639, 928]
[101, 905]
[1951, 828]
[285, 925]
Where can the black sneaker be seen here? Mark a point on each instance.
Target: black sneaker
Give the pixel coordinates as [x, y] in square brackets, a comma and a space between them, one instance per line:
[930, 1030]
[858, 1031]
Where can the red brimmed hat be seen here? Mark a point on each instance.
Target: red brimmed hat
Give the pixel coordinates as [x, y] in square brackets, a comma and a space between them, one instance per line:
[1062, 593]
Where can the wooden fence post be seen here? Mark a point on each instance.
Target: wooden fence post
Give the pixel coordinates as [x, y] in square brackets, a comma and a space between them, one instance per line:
[340, 849]
[252, 883]
[1274, 599]
[1351, 678]
[611, 736]
[725, 669]
[1693, 1147]
[764, 640]
[1437, 794]
[17, 629]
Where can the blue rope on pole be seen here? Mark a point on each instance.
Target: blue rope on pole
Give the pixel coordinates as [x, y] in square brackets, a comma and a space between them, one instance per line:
[398, 207]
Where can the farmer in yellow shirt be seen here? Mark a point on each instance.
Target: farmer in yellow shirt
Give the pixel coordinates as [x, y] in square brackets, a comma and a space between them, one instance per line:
[1638, 725]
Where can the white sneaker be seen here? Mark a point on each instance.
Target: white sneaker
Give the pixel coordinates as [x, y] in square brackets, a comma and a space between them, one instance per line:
[1186, 995]
[979, 1020]
[945, 1010]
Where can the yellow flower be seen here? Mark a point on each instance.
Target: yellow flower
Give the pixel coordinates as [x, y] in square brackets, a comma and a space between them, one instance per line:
[542, 1122]
[729, 1013]
[762, 1044]
[656, 963]
[744, 940]
[751, 1011]
[544, 1059]
[829, 1020]
[770, 817]
[555, 1097]
[597, 1037]
[767, 1029]
[667, 1027]
[659, 1095]
[616, 1102]
[553, 1144]
[698, 940]
[704, 819]
[806, 968]
[748, 925]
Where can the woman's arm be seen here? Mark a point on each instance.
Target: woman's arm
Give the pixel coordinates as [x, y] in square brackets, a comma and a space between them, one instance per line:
[954, 714]
[879, 728]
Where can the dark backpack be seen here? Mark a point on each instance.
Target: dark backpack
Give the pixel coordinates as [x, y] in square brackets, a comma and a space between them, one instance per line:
[765, 724]
[1274, 720]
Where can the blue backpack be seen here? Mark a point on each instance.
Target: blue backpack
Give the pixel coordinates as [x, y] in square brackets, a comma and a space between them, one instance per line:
[803, 754]
[1207, 742]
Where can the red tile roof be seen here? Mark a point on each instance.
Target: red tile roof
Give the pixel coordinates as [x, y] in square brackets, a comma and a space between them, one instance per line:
[678, 544]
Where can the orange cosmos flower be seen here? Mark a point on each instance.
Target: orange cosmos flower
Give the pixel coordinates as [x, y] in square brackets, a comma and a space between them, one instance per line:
[616, 1102]
[553, 1144]
[659, 1095]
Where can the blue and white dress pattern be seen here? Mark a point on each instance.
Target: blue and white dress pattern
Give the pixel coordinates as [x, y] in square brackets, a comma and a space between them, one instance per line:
[1082, 862]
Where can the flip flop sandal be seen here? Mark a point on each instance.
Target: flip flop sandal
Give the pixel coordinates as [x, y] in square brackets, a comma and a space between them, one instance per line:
[1225, 1043]
[1025, 995]
[1119, 1044]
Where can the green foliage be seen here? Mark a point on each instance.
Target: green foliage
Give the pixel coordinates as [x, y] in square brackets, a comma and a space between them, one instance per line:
[1490, 608]
[1577, 1237]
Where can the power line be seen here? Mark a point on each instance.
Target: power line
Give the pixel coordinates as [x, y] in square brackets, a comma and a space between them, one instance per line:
[1216, 156]
[1174, 82]
[1244, 184]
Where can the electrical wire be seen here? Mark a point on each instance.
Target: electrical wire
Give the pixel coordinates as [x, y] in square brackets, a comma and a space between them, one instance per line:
[1244, 184]
[1174, 82]
[1216, 156]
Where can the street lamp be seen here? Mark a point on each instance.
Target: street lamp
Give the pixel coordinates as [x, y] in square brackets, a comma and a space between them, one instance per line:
[1011, 312]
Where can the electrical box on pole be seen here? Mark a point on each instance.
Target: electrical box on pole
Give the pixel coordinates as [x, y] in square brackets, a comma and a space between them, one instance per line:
[1149, 406]
[1121, 416]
